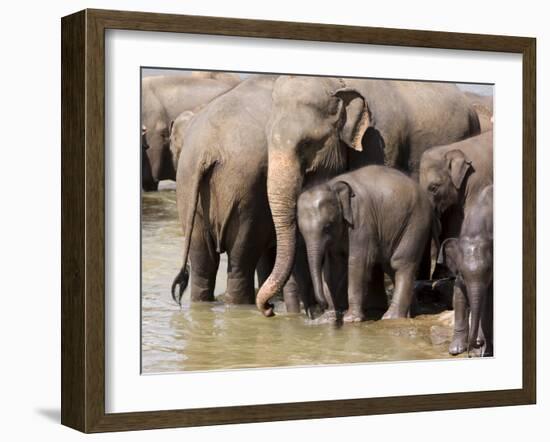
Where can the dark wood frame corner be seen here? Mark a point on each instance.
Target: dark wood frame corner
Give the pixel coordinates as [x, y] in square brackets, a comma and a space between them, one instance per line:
[83, 217]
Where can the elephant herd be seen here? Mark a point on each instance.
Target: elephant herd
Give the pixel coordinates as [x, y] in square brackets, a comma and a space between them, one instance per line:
[321, 186]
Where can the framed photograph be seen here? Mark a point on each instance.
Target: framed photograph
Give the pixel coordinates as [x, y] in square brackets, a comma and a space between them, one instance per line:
[267, 221]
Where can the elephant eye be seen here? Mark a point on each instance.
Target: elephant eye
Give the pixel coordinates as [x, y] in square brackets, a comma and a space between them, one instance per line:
[305, 144]
[433, 187]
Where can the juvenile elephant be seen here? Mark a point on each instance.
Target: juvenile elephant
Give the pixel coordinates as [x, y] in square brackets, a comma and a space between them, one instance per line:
[470, 258]
[373, 215]
[221, 191]
[320, 127]
[454, 175]
[163, 99]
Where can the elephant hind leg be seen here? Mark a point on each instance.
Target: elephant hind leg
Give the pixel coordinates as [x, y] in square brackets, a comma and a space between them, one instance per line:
[403, 292]
[240, 282]
[377, 301]
[204, 266]
[242, 261]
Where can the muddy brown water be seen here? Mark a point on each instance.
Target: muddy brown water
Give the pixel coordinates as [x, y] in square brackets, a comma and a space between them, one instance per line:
[214, 336]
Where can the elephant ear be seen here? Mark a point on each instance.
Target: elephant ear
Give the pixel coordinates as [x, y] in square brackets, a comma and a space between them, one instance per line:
[459, 165]
[144, 144]
[345, 193]
[356, 118]
[449, 254]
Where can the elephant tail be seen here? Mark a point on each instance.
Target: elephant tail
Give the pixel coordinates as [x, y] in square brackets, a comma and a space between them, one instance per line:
[182, 279]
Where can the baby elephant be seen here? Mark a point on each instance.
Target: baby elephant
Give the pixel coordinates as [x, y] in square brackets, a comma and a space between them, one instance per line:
[470, 258]
[373, 215]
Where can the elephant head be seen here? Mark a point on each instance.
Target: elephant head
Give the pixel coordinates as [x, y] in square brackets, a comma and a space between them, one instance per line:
[157, 140]
[313, 122]
[324, 214]
[178, 128]
[470, 258]
[442, 175]
[147, 182]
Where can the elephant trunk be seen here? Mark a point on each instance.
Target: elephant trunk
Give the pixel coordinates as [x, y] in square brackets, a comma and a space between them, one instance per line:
[435, 229]
[154, 155]
[315, 260]
[284, 182]
[476, 297]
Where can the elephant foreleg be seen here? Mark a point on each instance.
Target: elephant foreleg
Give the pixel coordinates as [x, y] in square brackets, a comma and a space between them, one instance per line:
[291, 294]
[459, 342]
[265, 265]
[298, 286]
[359, 276]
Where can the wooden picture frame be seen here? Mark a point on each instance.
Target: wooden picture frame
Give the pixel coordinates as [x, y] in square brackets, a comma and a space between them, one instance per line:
[83, 220]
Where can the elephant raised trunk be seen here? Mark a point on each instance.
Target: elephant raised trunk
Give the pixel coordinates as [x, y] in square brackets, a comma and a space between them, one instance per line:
[284, 182]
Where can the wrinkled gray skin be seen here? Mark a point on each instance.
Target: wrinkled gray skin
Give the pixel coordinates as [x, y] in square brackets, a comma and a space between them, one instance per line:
[178, 129]
[226, 77]
[320, 127]
[483, 105]
[221, 192]
[454, 175]
[373, 215]
[163, 99]
[470, 258]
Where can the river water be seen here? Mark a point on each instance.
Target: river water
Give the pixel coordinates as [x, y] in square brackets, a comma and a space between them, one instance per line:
[214, 336]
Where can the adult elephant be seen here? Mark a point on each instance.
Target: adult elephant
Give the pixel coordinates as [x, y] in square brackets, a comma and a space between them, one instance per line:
[227, 77]
[483, 105]
[163, 99]
[221, 191]
[320, 127]
[454, 175]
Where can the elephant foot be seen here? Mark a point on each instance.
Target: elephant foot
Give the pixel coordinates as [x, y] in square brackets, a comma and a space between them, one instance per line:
[238, 298]
[394, 313]
[351, 316]
[459, 344]
[203, 297]
[314, 311]
[329, 316]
